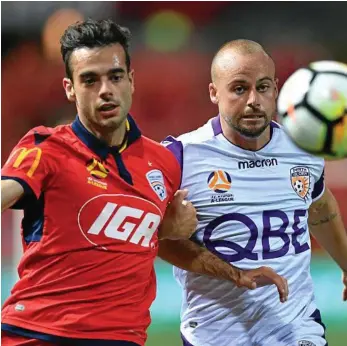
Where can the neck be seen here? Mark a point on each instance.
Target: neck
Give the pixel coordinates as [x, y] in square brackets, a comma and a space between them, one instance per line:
[111, 136]
[244, 142]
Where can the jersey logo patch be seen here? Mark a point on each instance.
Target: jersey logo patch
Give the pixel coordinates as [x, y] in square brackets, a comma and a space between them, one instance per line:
[23, 153]
[306, 343]
[156, 181]
[97, 172]
[97, 169]
[19, 307]
[219, 181]
[300, 180]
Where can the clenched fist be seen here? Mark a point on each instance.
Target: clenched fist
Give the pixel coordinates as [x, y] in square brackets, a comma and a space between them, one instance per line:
[180, 218]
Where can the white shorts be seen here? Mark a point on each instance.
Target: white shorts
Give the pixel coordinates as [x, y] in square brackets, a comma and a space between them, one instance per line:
[306, 331]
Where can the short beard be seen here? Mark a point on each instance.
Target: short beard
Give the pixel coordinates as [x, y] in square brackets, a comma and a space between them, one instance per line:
[246, 132]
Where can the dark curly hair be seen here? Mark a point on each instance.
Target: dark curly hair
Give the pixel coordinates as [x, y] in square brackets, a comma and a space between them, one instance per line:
[91, 34]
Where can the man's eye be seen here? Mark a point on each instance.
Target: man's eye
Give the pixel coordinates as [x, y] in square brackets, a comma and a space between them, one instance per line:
[89, 81]
[116, 78]
[239, 90]
[263, 87]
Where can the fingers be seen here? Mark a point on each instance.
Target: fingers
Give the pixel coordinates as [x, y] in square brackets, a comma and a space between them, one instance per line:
[267, 276]
[180, 195]
[282, 288]
[344, 282]
[281, 284]
[247, 282]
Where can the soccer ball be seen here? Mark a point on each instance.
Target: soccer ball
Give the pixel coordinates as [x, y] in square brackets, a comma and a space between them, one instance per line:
[312, 107]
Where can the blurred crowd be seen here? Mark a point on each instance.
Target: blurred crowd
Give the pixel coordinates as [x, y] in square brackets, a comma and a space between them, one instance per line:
[172, 48]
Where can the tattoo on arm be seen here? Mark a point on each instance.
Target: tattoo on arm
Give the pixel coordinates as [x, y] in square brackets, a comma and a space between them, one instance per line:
[318, 206]
[322, 212]
[323, 220]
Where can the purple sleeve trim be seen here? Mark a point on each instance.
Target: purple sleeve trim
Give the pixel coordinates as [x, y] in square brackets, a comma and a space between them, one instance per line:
[175, 147]
[318, 187]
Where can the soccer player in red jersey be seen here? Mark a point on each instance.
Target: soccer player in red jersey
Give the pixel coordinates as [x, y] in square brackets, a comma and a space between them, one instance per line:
[94, 195]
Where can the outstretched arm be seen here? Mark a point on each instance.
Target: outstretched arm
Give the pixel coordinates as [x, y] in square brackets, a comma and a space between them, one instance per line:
[11, 192]
[179, 224]
[189, 256]
[327, 227]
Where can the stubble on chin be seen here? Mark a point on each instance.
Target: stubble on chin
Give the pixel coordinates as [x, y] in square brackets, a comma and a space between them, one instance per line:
[247, 131]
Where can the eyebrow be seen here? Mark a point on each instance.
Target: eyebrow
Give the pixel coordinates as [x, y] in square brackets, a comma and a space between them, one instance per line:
[93, 74]
[265, 78]
[258, 81]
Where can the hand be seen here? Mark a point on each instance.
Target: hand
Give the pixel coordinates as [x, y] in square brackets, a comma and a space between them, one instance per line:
[344, 280]
[264, 276]
[180, 218]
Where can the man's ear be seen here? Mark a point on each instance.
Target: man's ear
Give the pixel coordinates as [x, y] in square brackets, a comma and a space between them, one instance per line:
[276, 87]
[69, 89]
[132, 80]
[213, 93]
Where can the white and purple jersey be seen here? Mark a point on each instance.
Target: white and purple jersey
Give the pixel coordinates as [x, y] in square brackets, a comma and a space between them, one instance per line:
[252, 208]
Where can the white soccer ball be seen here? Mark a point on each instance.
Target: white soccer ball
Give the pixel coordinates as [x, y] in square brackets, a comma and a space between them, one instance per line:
[312, 107]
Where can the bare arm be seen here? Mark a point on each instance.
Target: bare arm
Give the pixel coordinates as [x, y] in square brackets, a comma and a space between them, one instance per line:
[327, 227]
[179, 224]
[11, 192]
[189, 256]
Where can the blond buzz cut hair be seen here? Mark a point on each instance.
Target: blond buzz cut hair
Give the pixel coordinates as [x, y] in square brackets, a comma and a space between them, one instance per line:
[240, 46]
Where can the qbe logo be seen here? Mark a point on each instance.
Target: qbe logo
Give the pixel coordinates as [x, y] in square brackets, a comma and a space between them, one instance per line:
[109, 220]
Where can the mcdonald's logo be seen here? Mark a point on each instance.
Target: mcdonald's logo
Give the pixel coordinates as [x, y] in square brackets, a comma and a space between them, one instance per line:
[97, 169]
[24, 152]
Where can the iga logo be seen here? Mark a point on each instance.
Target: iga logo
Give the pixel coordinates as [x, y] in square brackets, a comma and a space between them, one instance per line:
[109, 220]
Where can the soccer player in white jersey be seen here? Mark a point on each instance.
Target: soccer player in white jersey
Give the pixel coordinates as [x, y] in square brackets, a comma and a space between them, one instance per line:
[257, 198]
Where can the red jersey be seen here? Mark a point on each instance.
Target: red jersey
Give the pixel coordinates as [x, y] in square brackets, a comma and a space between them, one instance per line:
[91, 214]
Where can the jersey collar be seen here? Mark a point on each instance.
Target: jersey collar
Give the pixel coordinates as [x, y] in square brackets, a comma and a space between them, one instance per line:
[100, 147]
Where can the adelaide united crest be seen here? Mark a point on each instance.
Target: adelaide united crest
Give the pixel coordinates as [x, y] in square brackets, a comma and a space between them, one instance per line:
[156, 181]
[300, 180]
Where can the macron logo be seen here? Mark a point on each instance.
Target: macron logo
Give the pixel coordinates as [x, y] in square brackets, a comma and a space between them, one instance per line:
[257, 163]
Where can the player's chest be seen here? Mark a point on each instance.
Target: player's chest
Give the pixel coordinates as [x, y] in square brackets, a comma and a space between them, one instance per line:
[93, 202]
[263, 180]
[245, 206]
[92, 187]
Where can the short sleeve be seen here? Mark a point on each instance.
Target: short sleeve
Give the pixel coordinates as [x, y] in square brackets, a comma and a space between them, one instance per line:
[29, 164]
[176, 148]
[319, 185]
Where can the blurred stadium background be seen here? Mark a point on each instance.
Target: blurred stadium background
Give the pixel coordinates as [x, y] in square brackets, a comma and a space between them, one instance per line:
[172, 47]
